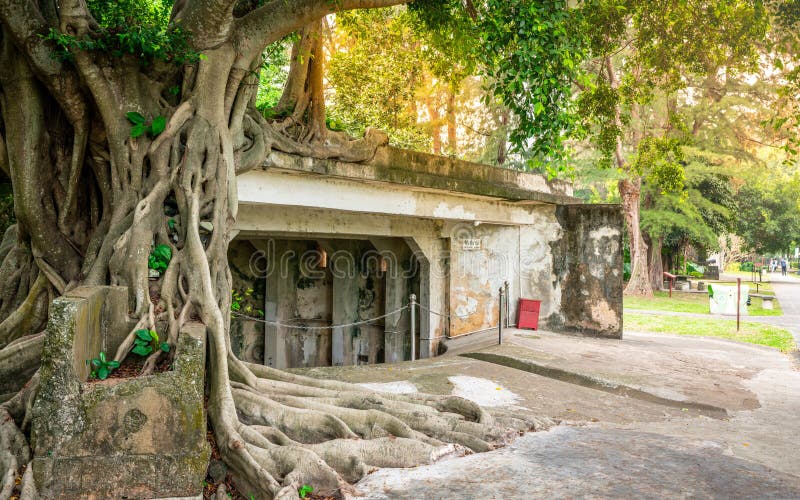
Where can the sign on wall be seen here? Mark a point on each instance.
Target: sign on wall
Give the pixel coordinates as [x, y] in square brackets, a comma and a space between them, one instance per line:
[470, 243]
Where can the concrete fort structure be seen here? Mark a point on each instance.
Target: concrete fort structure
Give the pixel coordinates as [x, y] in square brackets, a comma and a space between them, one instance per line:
[325, 243]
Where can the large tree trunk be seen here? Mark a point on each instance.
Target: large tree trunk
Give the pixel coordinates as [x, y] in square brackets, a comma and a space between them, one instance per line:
[435, 125]
[656, 261]
[452, 132]
[630, 193]
[92, 201]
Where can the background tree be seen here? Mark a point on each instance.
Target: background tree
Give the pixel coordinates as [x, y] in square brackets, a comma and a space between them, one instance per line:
[768, 217]
[641, 54]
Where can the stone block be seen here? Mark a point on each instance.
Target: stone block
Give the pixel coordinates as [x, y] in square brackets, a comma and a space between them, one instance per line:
[142, 437]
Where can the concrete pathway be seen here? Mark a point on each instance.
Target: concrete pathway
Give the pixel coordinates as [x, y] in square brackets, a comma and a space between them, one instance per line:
[787, 289]
[638, 413]
[596, 463]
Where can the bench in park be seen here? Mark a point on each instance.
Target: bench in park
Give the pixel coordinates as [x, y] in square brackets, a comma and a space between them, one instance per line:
[766, 300]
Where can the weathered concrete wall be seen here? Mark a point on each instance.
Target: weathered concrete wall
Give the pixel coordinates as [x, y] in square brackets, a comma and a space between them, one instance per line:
[143, 437]
[588, 266]
[537, 279]
[476, 275]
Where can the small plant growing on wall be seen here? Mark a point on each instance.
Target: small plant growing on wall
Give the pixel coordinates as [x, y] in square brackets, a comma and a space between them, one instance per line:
[147, 341]
[240, 303]
[101, 367]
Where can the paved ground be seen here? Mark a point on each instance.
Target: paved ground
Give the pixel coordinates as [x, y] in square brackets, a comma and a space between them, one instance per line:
[787, 289]
[570, 462]
[648, 416]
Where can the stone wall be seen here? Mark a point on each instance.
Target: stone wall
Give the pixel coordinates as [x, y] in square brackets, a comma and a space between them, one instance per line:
[143, 437]
[587, 263]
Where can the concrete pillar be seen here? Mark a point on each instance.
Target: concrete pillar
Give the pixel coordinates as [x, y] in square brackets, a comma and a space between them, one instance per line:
[397, 340]
[430, 254]
[345, 302]
[280, 299]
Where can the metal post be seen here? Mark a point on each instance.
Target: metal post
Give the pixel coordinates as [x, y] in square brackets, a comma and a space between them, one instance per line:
[413, 299]
[508, 303]
[500, 317]
[738, 300]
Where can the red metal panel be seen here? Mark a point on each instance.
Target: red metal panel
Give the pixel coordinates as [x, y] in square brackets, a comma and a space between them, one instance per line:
[528, 315]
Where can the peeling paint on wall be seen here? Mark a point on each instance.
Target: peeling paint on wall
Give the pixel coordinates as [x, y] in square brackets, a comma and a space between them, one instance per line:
[587, 263]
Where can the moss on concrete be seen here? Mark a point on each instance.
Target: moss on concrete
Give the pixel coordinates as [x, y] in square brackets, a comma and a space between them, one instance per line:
[139, 438]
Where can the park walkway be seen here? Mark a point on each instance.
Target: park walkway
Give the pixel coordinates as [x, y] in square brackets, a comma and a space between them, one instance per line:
[787, 289]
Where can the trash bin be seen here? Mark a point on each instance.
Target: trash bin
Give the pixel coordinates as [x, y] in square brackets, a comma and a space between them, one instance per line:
[528, 313]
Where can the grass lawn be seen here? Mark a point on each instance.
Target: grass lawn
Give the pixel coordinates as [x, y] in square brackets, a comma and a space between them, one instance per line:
[697, 303]
[753, 333]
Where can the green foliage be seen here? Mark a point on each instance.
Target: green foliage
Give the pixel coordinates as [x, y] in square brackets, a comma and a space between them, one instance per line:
[241, 301]
[530, 56]
[660, 160]
[305, 490]
[159, 258]
[147, 341]
[273, 74]
[101, 367]
[376, 80]
[768, 215]
[138, 28]
[139, 125]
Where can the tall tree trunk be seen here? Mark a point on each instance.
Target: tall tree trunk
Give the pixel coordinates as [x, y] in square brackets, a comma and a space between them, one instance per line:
[630, 193]
[452, 136]
[656, 268]
[502, 141]
[435, 125]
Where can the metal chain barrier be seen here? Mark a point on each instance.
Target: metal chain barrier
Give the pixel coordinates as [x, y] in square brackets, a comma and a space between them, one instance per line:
[326, 327]
[412, 302]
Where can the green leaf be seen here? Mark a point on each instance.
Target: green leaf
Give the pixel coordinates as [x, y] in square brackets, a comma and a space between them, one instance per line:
[113, 364]
[138, 130]
[154, 335]
[160, 257]
[96, 362]
[304, 490]
[102, 373]
[171, 223]
[135, 118]
[144, 335]
[102, 356]
[165, 346]
[142, 350]
[158, 125]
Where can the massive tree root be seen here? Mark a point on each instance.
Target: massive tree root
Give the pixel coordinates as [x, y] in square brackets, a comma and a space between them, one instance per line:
[92, 202]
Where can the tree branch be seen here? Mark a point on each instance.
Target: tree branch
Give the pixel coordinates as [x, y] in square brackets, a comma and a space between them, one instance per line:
[23, 21]
[279, 18]
[209, 21]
